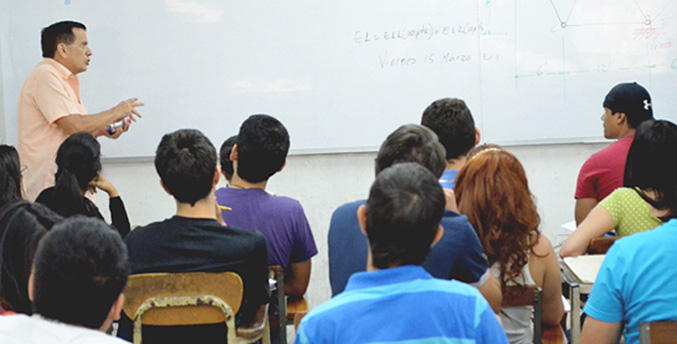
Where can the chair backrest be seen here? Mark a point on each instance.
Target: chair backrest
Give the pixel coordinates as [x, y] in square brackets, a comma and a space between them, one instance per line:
[601, 245]
[658, 332]
[520, 296]
[173, 299]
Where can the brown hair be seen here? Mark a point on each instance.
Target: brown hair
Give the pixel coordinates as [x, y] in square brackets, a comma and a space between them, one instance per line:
[492, 191]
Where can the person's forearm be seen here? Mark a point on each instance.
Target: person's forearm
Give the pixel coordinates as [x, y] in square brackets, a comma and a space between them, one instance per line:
[93, 124]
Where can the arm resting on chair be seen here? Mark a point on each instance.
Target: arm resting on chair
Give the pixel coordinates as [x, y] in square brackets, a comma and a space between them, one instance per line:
[296, 278]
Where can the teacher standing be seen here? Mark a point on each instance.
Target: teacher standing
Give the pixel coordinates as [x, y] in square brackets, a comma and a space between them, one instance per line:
[50, 108]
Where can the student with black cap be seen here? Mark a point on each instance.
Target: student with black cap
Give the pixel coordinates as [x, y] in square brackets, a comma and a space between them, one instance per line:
[625, 107]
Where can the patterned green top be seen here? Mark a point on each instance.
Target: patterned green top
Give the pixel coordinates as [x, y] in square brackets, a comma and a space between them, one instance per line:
[630, 212]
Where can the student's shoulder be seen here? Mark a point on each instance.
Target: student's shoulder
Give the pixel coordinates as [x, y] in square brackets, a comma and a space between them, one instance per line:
[348, 209]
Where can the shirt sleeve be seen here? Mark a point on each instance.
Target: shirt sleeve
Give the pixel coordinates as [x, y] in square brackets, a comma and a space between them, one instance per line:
[53, 99]
[614, 204]
[606, 302]
[304, 243]
[118, 215]
[586, 186]
[473, 267]
[256, 286]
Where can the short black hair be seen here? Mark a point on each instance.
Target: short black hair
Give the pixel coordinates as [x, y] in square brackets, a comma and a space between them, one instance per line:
[22, 226]
[404, 210]
[412, 143]
[453, 123]
[262, 147]
[80, 270]
[650, 164]
[61, 32]
[224, 156]
[10, 176]
[186, 163]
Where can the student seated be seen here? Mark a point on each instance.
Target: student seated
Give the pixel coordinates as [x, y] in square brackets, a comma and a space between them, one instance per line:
[455, 127]
[638, 280]
[626, 106]
[260, 152]
[79, 170]
[193, 240]
[396, 300]
[10, 177]
[458, 255]
[224, 157]
[22, 226]
[650, 172]
[492, 190]
[76, 286]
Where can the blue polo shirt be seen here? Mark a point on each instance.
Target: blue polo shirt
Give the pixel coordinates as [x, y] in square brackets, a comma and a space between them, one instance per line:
[458, 255]
[638, 281]
[402, 305]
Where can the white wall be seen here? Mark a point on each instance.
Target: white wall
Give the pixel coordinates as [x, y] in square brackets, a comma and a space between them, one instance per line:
[323, 182]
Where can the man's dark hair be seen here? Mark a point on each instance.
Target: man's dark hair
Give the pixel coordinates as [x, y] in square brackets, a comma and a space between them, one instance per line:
[404, 210]
[224, 156]
[61, 32]
[452, 121]
[412, 143]
[650, 165]
[80, 270]
[186, 163]
[262, 146]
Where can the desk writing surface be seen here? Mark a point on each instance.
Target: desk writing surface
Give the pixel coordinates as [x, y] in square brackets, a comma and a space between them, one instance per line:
[342, 75]
[585, 267]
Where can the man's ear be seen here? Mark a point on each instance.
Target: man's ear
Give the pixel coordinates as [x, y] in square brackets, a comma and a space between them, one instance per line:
[117, 307]
[622, 119]
[31, 286]
[438, 236]
[283, 165]
[217, 175]
[362, 218]
[478, 136]
[165, 188]
[233, 153]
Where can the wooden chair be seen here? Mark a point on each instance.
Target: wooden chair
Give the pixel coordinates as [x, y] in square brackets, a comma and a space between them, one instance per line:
[289, 307]
[600, 245]
[518, 296]
[658, 332]
[175, 299]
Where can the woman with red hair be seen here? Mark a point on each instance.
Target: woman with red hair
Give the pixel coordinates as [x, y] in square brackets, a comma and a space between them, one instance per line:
[492, 191]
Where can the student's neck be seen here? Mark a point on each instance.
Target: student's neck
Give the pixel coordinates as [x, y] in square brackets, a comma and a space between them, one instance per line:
[457, 163]
[625, 132]
[239, 183]
[203, 209]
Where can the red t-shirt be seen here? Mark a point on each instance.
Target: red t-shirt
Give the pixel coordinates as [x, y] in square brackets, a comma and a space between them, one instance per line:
[603, 172]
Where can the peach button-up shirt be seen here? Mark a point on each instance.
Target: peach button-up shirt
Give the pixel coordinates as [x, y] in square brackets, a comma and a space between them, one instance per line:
[50, 92]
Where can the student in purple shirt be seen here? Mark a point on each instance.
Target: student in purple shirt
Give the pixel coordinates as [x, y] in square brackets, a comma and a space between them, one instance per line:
[260, 152]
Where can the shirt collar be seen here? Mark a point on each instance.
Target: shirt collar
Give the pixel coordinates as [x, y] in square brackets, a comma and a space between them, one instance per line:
[61, 69]
[361, 280]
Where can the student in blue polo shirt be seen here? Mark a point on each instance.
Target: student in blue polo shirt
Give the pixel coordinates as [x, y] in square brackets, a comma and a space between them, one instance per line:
[396, 300]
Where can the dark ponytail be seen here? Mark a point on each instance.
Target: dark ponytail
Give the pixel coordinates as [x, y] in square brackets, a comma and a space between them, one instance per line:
[10, 176]
[78, 161]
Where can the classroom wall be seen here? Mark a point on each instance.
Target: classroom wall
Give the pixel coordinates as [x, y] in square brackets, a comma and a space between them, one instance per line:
[323, 182]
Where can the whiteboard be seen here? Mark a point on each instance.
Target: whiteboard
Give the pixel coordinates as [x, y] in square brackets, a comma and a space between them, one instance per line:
[341, 75]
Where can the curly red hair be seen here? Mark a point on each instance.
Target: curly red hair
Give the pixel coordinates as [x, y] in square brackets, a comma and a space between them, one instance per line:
[492, 191]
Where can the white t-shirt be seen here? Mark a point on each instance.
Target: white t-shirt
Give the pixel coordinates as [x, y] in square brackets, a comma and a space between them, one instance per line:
[23, 329]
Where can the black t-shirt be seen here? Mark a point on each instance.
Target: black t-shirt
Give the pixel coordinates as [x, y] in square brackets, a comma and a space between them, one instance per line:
[182, 244]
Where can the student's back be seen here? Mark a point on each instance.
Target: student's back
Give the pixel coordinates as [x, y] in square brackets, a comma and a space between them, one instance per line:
[261, 151]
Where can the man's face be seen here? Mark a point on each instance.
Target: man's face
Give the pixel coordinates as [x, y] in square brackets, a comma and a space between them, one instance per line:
[78, 52]
[609, 124]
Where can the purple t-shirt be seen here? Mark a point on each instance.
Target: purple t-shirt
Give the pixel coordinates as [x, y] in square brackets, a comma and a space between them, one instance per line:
[280, 219]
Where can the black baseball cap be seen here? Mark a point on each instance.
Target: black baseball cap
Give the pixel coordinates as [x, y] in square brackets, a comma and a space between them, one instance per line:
[631, 99]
